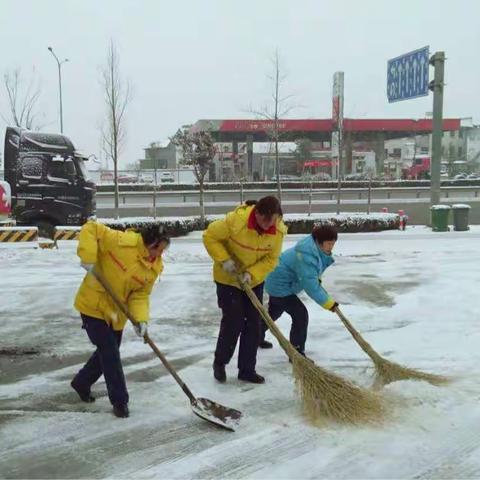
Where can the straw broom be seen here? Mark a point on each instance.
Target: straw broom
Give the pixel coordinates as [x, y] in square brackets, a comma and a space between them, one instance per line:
[386, 371]
[324, 395]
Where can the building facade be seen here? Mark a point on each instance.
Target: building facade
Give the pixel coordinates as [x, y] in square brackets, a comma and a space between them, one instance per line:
[160, 155]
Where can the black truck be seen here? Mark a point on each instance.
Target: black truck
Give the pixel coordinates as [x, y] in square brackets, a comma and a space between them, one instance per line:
[48, 180]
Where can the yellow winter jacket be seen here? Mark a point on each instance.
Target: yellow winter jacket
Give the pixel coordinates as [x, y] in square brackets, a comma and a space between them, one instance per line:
[232, 238]
[122, 259]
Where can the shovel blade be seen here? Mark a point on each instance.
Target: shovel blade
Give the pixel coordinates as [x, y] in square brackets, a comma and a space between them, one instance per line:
[218, 414]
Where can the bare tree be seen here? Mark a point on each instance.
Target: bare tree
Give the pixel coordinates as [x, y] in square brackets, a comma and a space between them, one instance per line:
[22, 100]
[275, 110]
[198, 150]
[117, 95]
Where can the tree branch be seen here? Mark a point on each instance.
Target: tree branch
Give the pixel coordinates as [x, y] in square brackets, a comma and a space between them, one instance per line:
[22, 104]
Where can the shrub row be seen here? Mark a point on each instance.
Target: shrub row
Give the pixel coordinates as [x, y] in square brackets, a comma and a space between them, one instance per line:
[351, 223]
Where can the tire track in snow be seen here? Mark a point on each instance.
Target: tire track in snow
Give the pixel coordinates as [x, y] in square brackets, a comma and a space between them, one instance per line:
[205, 452]
[453, 456]
[104, 442]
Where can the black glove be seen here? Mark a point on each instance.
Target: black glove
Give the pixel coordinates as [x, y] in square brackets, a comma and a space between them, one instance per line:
[334, 307]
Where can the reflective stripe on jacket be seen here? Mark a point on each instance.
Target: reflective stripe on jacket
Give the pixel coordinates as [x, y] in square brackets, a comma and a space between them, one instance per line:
[254, 253]
[122, 259]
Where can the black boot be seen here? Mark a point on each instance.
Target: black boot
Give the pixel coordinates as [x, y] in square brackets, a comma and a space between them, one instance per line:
[265, 344]
[219, 372]
[252, 377]
[121, 411]
[85, 396]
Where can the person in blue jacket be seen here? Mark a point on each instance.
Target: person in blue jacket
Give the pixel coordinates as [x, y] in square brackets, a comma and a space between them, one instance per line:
[300, 269]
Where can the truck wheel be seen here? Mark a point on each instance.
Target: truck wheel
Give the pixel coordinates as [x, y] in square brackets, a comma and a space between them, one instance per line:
[46, 229]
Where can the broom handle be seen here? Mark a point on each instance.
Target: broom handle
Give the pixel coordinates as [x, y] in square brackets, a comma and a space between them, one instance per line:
[146, 338]
[364, 345]
[256, 302]
[284, 343]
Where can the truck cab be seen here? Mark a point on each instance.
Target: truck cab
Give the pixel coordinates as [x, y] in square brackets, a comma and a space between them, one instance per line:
[48, 180]
[420, 168]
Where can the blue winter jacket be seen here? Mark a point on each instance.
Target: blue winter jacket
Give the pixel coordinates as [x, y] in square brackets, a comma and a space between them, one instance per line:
[300, 268]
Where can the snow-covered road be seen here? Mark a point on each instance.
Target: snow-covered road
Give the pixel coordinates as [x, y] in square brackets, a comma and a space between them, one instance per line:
[413, 294]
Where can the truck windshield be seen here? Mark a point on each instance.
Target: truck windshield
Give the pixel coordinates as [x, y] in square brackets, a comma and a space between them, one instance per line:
[83, 172]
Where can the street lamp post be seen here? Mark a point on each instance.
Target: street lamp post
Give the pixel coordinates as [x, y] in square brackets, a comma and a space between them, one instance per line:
[59, 63]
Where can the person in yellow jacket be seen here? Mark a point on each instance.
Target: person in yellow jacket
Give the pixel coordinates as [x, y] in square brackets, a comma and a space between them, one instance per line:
[130, 262]
[249, 240]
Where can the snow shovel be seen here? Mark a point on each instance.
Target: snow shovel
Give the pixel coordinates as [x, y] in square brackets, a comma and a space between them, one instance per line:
[212, 412]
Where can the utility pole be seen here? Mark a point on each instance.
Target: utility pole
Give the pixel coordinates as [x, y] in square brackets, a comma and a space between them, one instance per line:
[155, 189]
[339, 169]
[59, 63]
[438, 61]
[337, 134]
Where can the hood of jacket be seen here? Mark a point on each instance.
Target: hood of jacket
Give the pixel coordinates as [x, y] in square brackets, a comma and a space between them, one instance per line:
[308, 247]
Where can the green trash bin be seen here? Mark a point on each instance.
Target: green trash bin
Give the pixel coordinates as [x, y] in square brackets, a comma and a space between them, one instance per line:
[439, 216]
[460, 217]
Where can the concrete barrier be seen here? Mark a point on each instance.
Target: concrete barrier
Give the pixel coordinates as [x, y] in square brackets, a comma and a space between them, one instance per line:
[66, 233]
[18, 234]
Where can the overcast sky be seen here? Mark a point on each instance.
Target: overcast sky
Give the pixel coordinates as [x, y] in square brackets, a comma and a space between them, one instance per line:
[189, 59]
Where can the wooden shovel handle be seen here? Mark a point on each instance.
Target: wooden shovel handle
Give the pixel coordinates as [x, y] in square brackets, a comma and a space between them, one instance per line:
[146, 338]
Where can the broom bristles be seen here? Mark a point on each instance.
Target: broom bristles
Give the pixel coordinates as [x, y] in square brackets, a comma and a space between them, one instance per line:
[324, 395]
[386, 371]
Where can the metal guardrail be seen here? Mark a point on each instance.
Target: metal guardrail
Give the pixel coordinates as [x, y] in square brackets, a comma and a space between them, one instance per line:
[347, 194]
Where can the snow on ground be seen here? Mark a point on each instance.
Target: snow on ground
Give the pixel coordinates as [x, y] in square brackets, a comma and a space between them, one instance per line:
[413, 295]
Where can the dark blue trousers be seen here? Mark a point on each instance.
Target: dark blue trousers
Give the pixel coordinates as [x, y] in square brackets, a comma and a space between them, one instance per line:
[299, 313]
[105, 359]
[239, 319]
